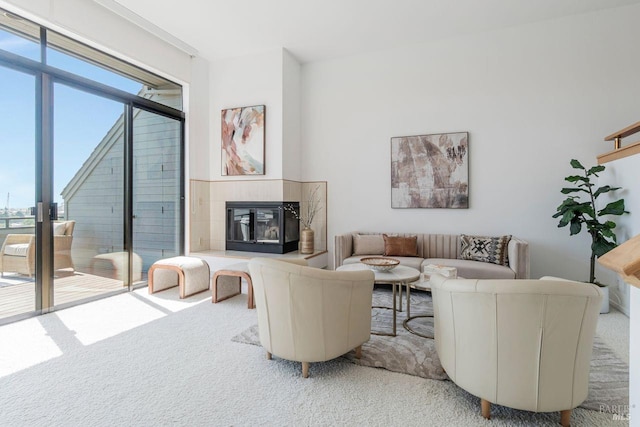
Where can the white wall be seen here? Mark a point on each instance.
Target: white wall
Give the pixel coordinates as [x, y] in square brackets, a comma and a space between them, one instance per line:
[291, 117]
[634, 359]
[531, 97]
[198, 121]
[245, 81]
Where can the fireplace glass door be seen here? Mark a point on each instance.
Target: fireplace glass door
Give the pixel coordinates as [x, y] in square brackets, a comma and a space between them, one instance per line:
[262, 226]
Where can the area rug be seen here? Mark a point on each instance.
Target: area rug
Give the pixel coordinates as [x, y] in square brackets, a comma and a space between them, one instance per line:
[413, 355]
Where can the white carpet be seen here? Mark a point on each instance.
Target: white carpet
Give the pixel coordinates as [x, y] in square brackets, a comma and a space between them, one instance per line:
[141, 360]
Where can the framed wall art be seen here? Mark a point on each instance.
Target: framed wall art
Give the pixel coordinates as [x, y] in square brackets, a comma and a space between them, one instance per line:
[430, 171]
[243, 140]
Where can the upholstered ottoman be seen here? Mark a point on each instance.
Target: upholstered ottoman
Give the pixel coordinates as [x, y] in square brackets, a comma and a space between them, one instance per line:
[190, 274]
[227, 283]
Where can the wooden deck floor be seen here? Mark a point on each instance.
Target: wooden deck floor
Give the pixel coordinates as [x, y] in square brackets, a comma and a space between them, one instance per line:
[18, 293]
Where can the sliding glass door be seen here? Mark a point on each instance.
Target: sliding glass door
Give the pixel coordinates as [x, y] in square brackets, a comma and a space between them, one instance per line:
[95, 145]
[157, 189]
[17, 193]
[89, 257]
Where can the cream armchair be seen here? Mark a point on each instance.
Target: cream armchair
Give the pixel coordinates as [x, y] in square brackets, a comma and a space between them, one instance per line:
[308, 314]
[525, 344]
[18, 250]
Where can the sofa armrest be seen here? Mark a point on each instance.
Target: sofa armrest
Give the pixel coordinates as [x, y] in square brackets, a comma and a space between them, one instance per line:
[518, 250]
[13, 239]
[342, 249]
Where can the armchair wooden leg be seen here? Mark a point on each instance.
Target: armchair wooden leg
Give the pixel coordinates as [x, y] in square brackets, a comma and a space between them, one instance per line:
[486, 408]
[565, 418]
[268, 356]
[305, 369]
[359, 352]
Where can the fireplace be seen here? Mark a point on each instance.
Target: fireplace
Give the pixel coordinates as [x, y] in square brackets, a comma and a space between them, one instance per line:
[262, 226]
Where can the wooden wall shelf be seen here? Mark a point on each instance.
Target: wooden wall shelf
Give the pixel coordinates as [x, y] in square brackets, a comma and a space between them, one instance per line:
[625, 260]
[620, 152]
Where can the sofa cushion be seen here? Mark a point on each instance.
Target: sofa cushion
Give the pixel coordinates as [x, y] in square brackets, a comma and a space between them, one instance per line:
[400, 246]
[368, 244]
[485, 249]
[59, 228]
[414, 262]
[17, 249]
[474, 269]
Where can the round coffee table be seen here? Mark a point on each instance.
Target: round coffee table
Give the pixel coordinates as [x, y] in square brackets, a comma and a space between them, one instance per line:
[400, 275]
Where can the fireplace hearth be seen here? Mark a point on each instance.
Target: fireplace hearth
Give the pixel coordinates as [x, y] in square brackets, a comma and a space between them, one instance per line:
[262, 227]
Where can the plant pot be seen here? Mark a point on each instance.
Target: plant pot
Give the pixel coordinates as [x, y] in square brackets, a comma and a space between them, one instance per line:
[604, 308]
[306, 241]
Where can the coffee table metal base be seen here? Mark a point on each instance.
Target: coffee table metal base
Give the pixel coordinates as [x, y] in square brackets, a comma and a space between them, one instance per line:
[408, 328]
[409, 316]
[394, 308]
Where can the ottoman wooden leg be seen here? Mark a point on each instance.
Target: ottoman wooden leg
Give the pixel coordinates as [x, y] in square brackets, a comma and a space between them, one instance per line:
[251, 303]
[215, 286]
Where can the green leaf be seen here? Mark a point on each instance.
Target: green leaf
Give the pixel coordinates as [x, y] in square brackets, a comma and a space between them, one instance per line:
[595, 170]
[575, 178]
[576, 226]
[604, 189]
[614, 208]
[576, 164]
[572, 190]
[567, 217]
[609, 233]
[601, 246]
[586, 209]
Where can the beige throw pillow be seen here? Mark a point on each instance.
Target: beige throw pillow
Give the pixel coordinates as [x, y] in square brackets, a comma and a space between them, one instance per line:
[368, 244]
[59, 228]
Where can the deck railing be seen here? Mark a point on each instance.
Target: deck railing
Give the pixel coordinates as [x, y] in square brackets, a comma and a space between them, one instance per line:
[16, 222]
[15, 225]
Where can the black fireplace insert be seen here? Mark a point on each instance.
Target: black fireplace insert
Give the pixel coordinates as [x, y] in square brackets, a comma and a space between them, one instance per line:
[269, 227]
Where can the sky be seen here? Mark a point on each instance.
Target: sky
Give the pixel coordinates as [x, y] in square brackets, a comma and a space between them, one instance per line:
[81, 120]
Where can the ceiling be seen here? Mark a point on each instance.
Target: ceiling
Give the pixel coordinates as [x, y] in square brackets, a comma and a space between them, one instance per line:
[315, 30]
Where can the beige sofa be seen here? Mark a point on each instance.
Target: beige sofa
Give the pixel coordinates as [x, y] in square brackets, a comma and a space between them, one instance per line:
[438, 249]
[308, 314]
[525, 344]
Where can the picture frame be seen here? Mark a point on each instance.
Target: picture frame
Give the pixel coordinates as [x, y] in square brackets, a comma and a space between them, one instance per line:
[243, 140]
[430, 171]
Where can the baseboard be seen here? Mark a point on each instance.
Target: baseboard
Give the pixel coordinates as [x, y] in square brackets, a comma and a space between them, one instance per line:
[621, 309]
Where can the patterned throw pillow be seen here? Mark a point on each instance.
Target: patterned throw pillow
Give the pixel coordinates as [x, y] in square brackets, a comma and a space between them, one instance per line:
[485, 249]
[400, 246]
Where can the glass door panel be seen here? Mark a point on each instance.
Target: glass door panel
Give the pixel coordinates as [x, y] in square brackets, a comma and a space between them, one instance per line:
[268, 225]
[17, 193]
[88, 186]
[157, 188]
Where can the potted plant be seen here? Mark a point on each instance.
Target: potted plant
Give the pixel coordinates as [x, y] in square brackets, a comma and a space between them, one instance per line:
[579, 209]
